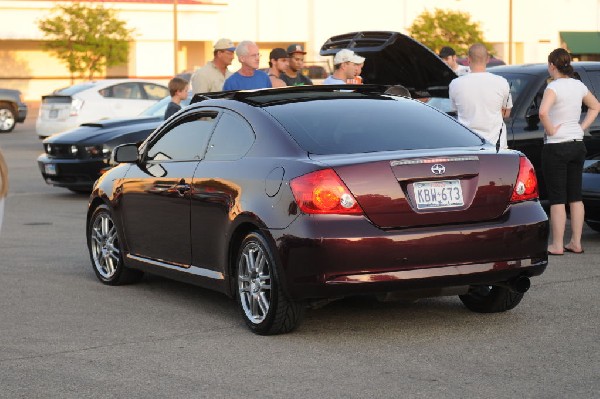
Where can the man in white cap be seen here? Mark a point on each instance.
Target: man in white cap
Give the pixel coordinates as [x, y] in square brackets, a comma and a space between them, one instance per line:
[346, 64]
[211, 76]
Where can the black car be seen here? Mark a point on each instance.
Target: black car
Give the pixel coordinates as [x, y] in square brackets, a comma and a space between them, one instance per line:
[76, 158]
[12, 109]
[526, 133]
[290, 196]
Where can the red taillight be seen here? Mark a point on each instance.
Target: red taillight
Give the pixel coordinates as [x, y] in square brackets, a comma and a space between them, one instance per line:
[324, 192]
[526, 186]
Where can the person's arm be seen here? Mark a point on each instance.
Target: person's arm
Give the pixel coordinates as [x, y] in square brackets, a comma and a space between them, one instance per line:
[548, 101]
[593, 108]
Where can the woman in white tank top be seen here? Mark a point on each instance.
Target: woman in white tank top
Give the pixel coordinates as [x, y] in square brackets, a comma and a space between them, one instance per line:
[564, 151]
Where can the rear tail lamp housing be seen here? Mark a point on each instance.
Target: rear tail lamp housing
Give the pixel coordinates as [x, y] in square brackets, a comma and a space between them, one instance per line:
[323, 192]
[526, 186]
[76, 104]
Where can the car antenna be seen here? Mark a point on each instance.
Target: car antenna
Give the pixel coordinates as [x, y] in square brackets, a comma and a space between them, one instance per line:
[500, 135]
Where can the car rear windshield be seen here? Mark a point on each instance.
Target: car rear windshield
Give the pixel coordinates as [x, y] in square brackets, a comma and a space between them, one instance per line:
[358, 125]
[69, 91]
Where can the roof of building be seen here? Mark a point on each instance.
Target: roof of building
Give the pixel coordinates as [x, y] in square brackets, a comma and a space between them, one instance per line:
[193, 2]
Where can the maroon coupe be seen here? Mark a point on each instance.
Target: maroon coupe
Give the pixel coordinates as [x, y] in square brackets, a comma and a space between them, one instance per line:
[286, 197]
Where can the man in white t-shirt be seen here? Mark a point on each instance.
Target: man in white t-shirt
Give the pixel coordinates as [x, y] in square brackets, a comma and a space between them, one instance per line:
[482, 99]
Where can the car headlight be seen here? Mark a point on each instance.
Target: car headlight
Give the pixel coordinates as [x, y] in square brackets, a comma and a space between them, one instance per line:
[76, 104]
[97, 151]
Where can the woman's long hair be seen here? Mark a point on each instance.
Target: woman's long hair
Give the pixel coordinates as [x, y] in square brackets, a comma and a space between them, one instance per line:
[561, 59]
[3, 177]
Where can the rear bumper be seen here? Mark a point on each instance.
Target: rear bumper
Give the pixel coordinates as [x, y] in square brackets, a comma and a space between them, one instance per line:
[320, 259]
[77, 174]
[46, 128]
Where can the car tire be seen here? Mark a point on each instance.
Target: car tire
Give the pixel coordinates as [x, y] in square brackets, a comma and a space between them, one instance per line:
[7, 119]
[490, 299]
[263, 305]
[593, 225]
[105, 249]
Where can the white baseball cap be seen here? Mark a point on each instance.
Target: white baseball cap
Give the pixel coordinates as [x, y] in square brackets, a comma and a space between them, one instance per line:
[346, 55]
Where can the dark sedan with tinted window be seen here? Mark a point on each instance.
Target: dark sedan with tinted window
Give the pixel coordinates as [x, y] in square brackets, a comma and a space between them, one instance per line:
[287, 197]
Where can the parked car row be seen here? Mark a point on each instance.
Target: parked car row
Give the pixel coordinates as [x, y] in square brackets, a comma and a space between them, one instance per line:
[75, 159]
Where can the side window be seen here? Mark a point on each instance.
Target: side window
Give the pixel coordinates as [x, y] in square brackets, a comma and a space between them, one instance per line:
[595, 89]
[123, 91]
[185, 141]
[232, 139]
[155, 92]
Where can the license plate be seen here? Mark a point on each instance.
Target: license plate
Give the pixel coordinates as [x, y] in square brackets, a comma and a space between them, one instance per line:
[53, 114]
[50, 169]
[438, 194]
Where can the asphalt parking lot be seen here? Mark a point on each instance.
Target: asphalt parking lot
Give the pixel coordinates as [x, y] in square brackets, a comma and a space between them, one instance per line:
[64, 335]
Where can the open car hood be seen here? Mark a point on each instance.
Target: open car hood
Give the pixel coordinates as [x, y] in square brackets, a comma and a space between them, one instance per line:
[396, 59]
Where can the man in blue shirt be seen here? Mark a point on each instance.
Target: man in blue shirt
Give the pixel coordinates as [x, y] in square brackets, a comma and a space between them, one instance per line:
[248, 77]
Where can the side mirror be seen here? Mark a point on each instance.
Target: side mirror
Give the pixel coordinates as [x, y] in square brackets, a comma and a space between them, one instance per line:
[125, 153]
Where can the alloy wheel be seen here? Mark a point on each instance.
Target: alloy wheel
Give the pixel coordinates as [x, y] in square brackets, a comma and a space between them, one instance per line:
[254, 282]
[7, 120]
[105, 245]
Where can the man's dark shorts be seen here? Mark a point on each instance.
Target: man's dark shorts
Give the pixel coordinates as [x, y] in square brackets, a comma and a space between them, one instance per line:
[562, 165]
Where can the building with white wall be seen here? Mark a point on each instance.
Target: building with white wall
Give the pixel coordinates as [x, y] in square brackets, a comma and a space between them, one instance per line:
[536, 30]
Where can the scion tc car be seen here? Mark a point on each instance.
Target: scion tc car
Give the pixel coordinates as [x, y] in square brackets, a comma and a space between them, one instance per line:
[285, 197]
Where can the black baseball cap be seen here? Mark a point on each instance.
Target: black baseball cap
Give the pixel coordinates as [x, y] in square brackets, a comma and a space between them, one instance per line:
[278, 53]
[447, 52]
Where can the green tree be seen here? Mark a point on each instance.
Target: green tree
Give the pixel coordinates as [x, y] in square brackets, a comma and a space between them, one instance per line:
[446, 28]
[87, 39]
